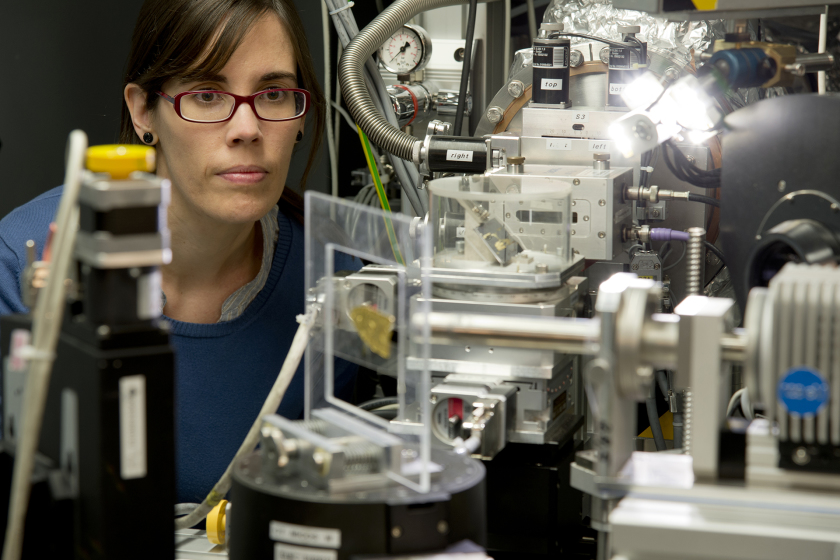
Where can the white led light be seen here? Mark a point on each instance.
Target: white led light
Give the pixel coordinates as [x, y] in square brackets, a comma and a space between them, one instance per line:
[643, 91]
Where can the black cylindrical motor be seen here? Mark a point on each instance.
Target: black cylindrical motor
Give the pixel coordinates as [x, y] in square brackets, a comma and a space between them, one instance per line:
[627, 62]
[456, 154]
[292, 518]
[551, 68]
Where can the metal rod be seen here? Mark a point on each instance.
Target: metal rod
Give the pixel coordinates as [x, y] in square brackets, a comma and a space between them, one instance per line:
[573, 336]
[563, 334]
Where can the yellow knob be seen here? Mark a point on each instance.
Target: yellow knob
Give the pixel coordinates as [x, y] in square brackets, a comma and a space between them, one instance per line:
[120, 160]
[216, 521]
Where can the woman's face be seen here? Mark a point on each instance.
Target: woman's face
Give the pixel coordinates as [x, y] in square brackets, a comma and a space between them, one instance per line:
[233, 171]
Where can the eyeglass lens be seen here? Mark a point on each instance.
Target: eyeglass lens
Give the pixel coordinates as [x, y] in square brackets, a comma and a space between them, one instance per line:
[272, 105]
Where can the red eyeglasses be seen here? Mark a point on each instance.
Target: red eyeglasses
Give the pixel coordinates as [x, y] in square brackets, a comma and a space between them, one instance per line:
[210, 106]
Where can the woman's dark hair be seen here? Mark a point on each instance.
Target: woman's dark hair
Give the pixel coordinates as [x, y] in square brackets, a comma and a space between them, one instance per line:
[171, 39]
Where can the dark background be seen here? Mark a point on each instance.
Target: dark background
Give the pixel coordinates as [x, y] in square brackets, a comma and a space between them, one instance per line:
[61, 68]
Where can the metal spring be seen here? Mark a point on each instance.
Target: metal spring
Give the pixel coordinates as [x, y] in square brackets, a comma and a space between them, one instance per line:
[314, 425]
[687, 406]
[362, 458]
[696, 260]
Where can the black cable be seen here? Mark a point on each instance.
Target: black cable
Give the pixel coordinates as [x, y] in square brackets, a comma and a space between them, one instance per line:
[685, 171]
[718, 253]
[704, 199]
[387, 414]
[465, 70]
[653, 418]
[379, 403]
[555, 34]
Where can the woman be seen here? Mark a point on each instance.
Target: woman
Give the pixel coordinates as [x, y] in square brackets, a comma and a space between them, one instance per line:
[222, 89]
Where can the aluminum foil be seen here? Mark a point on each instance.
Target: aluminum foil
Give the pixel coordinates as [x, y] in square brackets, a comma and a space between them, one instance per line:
[600, 18]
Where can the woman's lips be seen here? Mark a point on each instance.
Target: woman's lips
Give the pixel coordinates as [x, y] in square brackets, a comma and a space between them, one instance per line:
[243, 175]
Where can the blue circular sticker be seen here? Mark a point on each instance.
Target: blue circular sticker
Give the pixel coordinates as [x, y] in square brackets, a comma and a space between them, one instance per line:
[803, 391]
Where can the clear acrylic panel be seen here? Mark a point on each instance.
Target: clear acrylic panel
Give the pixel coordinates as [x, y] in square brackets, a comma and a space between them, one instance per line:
[365, 319]
[501, 221]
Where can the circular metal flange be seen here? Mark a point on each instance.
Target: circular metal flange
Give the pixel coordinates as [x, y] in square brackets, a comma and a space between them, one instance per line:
[638, 302]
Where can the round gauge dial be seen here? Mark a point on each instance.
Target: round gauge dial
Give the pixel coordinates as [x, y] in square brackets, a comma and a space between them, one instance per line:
[406, 51]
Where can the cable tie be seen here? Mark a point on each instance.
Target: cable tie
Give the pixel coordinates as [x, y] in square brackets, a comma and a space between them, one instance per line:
[347, 7]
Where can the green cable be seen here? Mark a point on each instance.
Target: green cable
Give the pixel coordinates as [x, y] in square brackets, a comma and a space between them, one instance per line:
[380, 191]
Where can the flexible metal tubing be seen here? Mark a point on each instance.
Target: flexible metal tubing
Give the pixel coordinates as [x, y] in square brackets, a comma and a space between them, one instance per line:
[350, 74]
[347, 29]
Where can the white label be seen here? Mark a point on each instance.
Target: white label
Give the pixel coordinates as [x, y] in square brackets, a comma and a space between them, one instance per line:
[459, 155]
[555, 85]
[460, 231]
[559, 58]
[617, 89]
[20, 340]
[599, 146]
[580, 116]
[148, 296]
[301, 534]
[558, 144]
[133, 427]
[289, 552]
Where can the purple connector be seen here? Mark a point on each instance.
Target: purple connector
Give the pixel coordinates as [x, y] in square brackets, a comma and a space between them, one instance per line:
[665, 234]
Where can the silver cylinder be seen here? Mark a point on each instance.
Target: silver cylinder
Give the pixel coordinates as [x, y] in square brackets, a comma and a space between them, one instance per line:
[696, 261]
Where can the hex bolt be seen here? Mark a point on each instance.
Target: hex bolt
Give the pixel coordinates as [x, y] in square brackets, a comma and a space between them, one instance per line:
[655, 213]
[516, 88]
[602, 234]
[576, 182]
[602, 202]
[575, 58]
[656, 266]
[495, 114]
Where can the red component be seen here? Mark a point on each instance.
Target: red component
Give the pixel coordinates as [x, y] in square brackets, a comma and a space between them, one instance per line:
[413, 100]
[456, 408]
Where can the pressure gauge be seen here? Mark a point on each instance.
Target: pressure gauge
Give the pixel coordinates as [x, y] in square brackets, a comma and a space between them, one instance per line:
[406, 51]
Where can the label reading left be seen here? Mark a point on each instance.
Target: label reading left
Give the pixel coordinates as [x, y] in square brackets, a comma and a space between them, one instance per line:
[302, 534]
[133, 462]
[459, 155]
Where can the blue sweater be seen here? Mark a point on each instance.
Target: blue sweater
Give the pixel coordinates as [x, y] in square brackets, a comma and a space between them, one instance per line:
[224, 370]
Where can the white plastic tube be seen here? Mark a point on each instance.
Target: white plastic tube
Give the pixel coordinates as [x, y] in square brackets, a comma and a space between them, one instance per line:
[275, 396]
[46, 322]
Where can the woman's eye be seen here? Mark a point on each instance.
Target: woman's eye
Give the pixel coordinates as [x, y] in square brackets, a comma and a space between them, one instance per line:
[207, 97]
[274, 95]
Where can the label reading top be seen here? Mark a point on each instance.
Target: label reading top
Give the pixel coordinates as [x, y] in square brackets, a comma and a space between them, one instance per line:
[803, 391]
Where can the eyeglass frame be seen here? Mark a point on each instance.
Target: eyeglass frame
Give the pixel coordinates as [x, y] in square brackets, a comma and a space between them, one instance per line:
[237, 101]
